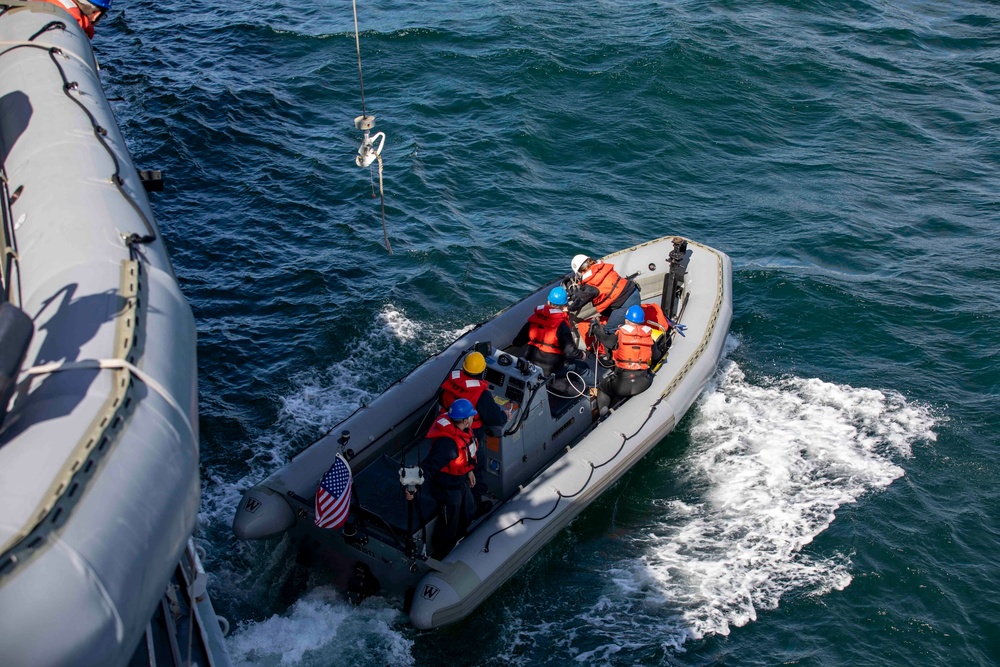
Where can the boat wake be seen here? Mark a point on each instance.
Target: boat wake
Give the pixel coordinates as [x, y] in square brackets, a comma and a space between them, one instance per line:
[322, 629]
[769, 464]
[325, 398]
[321, 623]
[775, 462]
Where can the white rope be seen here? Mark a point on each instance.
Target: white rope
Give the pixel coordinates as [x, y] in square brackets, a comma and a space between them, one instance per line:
[114, 364]
[381, 193]
[579, 392]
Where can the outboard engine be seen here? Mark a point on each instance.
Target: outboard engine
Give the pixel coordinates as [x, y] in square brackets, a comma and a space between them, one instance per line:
[16, 330]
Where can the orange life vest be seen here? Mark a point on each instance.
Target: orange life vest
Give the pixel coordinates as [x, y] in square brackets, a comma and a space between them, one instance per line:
[635, 347]
[655, 314]
[78, 16]
[464, 441]
[609, 284]
[543, 328]
[459, 385]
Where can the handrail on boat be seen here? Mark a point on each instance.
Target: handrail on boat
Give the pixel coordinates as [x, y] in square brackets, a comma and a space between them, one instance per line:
[9, 244]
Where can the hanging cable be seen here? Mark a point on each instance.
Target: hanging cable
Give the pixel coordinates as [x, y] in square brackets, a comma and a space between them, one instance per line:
[371, 145]
[357, 44]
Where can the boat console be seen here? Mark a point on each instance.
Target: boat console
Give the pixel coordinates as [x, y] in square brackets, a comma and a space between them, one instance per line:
[538, 428]
[510, 376]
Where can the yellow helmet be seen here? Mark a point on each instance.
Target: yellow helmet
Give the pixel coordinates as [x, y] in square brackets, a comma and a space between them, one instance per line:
[474, 364]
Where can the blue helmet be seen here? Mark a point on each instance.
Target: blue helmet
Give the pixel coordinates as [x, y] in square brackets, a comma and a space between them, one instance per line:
[558, 296]
[461, 409]
[103, 4]
[635, 314]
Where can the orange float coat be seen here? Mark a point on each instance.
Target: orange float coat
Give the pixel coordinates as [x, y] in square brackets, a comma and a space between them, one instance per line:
[635, 347]
[543, 329]
[465, 462]
[461, 385]
[609, 284]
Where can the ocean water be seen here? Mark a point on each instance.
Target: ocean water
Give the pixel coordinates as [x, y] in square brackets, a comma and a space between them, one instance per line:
[832, 497]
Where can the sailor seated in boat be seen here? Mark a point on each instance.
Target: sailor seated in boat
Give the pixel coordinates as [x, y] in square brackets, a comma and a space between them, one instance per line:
[449, 468]
[598, 283]
[549, 339]
[634, 353]
[468, 383]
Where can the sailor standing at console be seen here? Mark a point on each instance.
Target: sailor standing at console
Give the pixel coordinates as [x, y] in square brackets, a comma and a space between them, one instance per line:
[634, 353]
[449, 468]
[469, 384]
[610, 293]
[85, 12]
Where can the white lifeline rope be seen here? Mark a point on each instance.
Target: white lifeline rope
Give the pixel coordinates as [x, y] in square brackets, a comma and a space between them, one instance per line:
[114, 364]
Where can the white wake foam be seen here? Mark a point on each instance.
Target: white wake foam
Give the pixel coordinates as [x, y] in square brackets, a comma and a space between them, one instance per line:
[768, 467]
[322, 630]
[325, 397]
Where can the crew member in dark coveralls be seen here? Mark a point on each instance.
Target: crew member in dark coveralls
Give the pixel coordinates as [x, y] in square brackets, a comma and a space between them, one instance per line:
[469, 384]
[547, 333]
[611, 293]
[634, 353]
[449, 468]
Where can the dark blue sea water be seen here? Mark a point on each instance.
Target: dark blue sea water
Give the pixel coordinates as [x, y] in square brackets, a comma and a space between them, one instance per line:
[831, 500]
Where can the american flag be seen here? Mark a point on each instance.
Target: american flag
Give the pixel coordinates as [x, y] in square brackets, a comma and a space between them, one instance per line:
[333, 497]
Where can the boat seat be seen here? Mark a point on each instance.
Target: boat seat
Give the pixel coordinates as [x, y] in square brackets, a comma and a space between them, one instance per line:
[383, 496]
[560, 397]
[516, 351]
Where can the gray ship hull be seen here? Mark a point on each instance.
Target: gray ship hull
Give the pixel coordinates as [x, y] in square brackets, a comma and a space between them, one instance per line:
[99, 478]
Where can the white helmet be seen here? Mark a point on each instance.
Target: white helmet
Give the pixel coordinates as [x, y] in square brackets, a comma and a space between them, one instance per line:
[578, 262]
